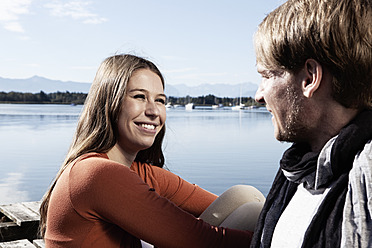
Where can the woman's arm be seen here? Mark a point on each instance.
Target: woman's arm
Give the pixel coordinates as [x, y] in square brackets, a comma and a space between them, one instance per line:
[187, 196]
[111, 192]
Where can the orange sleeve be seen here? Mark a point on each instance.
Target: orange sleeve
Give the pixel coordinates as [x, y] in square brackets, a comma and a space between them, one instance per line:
[185, 195]
[105, 190]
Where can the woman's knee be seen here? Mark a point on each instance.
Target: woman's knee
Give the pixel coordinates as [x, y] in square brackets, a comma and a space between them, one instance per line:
[244, 193]
[229, 201]
[244, 217]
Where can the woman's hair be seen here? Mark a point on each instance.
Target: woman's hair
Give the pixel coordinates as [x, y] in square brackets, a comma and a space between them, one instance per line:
[97, 127]
[336, 33]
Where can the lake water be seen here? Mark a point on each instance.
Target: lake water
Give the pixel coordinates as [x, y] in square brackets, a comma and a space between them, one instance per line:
[212, 148]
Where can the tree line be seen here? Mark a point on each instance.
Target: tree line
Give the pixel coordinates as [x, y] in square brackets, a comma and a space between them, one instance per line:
[212, 100]
[79, 98]
[42, 97]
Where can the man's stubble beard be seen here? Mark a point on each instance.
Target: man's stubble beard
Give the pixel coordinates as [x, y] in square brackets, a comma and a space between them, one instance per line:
[295, 122]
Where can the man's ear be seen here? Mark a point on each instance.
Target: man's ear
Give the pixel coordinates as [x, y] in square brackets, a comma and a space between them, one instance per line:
[313, 77]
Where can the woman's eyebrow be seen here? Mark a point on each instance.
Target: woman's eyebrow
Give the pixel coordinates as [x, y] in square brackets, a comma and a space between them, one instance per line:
[146, 91]
[138, 89]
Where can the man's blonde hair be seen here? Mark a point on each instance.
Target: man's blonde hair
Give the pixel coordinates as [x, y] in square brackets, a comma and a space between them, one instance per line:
[336, 33]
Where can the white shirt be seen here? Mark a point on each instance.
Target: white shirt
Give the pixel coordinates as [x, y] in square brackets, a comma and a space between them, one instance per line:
[294, 221]
[146, 245]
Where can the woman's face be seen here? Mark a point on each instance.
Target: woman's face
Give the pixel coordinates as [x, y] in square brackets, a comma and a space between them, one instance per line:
[142, 113]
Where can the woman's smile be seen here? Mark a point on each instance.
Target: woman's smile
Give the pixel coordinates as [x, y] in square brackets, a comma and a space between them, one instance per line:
[148, 127]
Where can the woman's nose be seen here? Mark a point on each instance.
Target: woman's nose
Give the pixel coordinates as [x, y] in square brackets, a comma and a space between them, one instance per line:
[152, 109]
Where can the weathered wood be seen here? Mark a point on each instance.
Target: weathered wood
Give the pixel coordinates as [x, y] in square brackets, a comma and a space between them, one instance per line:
[11, 231]
[19, 221]
[34, 206]
[20, 213]
[39, 243]
[17, 244]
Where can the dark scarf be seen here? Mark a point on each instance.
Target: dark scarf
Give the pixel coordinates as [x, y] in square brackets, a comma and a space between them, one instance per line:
[325, 228]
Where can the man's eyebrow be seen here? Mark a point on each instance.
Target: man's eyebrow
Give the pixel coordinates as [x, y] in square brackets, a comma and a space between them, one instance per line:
[263, 71]
[268, 72]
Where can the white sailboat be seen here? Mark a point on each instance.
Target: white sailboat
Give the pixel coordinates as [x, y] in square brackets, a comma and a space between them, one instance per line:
[169, 106]
[241, 105]
[238, 107]
[189, 106]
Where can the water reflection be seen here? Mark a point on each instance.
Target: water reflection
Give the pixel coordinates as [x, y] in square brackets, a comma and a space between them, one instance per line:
[34, 141]
[218, 149]
[212, 148]
[10, 188]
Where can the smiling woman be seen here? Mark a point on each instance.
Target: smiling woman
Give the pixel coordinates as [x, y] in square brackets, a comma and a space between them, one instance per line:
[142, 116]
[111, 190]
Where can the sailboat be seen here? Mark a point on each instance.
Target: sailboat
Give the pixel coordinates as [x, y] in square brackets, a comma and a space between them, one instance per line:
[238, 107]
[241, 105]
[189, 106]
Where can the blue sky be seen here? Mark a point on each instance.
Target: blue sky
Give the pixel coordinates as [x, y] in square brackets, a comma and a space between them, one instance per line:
[193, 42]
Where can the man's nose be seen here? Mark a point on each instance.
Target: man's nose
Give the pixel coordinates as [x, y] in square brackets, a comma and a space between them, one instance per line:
[259, 97]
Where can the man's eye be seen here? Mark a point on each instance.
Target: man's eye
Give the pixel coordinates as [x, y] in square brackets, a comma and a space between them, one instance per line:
[265, 75]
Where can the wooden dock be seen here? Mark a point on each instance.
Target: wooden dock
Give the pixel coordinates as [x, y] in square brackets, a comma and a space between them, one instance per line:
[19, 224]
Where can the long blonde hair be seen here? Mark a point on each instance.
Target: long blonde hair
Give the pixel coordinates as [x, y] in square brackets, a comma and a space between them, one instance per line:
[97, 126]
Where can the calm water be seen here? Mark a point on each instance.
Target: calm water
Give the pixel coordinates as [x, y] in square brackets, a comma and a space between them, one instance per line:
[212, 148]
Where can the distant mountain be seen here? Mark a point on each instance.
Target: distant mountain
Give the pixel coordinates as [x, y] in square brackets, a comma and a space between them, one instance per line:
[36, 84]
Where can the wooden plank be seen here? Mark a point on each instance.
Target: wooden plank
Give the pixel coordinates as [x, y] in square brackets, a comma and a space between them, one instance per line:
[17, 243]
[39, 243]
[11, 231]
[19, 213]
[34, 206]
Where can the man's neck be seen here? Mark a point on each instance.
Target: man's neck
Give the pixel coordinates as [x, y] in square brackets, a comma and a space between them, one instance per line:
[330, 124]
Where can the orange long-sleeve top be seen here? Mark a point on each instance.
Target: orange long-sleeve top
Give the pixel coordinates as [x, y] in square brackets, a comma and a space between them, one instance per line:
[101, 203]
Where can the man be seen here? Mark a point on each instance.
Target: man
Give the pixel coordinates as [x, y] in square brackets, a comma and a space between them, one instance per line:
[315, 58]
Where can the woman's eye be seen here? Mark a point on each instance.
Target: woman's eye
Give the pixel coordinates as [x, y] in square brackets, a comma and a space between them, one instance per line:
[139, 96]
[162, 101]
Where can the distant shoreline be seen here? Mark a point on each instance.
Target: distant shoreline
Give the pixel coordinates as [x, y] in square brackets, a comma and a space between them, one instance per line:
[55, 103]
[79, 99]
[42, 98]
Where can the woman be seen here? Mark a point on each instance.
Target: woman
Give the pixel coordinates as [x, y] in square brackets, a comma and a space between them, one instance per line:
[107, 194]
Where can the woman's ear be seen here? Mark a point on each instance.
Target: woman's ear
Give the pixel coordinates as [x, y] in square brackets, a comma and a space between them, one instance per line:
[313, 77]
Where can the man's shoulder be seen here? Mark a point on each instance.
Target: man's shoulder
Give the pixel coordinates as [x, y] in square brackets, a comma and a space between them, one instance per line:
[363, 158]
[358, 206]
[362, 166]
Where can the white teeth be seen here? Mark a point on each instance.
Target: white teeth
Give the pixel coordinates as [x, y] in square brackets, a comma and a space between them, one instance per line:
[151, 127]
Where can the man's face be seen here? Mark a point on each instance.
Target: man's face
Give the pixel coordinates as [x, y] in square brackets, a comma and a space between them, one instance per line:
[281, 91]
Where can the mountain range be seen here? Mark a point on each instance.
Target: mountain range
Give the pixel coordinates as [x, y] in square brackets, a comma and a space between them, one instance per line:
[36, 84]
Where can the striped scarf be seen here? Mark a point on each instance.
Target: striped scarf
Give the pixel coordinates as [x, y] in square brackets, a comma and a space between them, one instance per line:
[325, 228]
